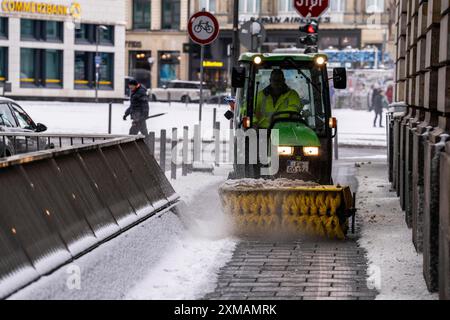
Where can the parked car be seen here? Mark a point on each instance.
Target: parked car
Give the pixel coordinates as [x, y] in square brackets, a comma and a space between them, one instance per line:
[15, 120]
[177, 90]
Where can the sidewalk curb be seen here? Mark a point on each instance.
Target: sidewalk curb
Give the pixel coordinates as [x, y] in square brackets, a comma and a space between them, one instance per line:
[362, 146]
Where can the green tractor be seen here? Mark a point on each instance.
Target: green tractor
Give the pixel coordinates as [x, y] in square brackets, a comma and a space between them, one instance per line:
[299, 196]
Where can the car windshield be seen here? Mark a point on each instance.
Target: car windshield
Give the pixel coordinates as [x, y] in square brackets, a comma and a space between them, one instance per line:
[307, 83]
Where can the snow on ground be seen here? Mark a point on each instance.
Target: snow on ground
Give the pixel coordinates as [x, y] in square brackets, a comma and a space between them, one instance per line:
[395, 268]
[169, 256]
[355, 126]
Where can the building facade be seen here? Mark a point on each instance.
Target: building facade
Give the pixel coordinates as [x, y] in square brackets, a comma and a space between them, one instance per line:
[157, 29]
[57, 48]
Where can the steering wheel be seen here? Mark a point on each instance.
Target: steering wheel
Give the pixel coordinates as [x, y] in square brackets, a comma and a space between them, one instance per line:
[281, 117]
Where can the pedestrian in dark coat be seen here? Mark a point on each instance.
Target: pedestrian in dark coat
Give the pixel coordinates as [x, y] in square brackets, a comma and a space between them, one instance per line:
[377, 106]
[138, 108]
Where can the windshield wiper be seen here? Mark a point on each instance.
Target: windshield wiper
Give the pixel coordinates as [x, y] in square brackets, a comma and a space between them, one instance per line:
[289, 59]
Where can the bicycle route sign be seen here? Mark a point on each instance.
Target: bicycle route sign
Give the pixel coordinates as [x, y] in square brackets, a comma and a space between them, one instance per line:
[203, 28]
[311, 8]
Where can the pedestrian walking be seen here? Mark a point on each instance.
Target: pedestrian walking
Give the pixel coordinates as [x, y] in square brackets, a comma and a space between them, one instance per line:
[379, 102]
[138, 108]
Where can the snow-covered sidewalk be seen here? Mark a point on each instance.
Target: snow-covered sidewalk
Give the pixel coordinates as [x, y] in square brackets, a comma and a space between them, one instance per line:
[169, 256]
[395, 268]
[355, 127]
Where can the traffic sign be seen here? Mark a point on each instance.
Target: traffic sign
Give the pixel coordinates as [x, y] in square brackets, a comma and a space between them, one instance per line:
[203, 28]
[311, 8]
[98, 60]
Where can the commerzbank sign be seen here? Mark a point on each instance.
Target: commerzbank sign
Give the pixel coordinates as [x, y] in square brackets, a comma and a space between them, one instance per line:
[44, 8]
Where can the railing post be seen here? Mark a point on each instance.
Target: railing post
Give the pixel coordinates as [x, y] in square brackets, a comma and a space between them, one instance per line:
[162, 151]
[151, 142]
[169, 97]
[185, 150]
[173, 164]
[109, 118]
[217, 143]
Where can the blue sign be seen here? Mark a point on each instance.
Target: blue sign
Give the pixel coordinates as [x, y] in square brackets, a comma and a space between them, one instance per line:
[98, 60]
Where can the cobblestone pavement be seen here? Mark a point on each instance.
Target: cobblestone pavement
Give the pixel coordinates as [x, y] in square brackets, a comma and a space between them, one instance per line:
[295, 270]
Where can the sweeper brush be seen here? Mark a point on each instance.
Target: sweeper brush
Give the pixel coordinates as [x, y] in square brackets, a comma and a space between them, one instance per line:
[261, 207]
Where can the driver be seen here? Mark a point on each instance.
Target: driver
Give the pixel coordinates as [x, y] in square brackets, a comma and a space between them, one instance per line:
[277, 97]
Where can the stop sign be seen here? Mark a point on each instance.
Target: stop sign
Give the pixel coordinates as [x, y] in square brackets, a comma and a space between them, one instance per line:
[311, 8]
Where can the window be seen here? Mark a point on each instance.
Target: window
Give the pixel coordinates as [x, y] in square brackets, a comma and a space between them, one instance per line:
[170, 14]
[40, 30]
[6, 117]
[169, 66]
[141, 14]
[87, 34]
[374, 6]
[23, 119]
[3, 28]
[140, 67]
[3, 64]
[337, 6]
[85, 70]
[41, 68]
[209, 5]
[285, 6]
[250, 6]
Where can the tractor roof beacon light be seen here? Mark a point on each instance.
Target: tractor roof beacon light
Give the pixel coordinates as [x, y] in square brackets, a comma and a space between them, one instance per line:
[320, 60]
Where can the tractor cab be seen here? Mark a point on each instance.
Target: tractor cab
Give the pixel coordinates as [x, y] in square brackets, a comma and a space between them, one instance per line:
[289, 93]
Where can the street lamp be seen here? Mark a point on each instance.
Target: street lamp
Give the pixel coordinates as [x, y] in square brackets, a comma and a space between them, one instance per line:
[97, 58]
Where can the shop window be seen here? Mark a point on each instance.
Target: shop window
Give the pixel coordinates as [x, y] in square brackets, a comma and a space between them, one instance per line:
[170, 14]
[169, 66]
[3, 64]
[87, 34]
[140, 67]
[41, 30]
[3, 28]
[209, 5]
[85, 70]
[141, 14]
[41, 68]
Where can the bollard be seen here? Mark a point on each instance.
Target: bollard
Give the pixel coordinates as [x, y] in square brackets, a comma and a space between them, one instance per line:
[169, 98]
[162, 151]
[173, 164]
[217, 143]
[184, 167]
[336, 146]
[214, 120]
[197, 143]
[151, 142]
[110, 118]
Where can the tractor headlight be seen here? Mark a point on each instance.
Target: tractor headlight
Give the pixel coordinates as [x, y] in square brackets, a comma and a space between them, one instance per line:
[286, 151]
[320, 60]
[311, 151]
[257, 60]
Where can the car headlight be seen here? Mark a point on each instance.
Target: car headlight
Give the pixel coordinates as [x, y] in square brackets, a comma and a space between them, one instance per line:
[285, 151]
[311, 151]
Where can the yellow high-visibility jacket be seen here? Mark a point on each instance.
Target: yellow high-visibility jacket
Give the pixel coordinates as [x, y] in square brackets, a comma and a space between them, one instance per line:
[265, 108]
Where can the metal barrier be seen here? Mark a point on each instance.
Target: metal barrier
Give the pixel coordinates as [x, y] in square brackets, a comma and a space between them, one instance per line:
[12, 143]
[57, 204]
[444, 223]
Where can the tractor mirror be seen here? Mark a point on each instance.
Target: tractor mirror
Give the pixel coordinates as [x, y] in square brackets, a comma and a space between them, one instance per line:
[340, 78]
[238, 77]
[229, 115]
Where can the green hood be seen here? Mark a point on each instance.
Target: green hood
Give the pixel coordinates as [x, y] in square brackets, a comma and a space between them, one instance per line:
[294, 134]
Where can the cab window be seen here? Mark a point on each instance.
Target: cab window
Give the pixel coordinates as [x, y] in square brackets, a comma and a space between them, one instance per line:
[308, 84]
[6, 117]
